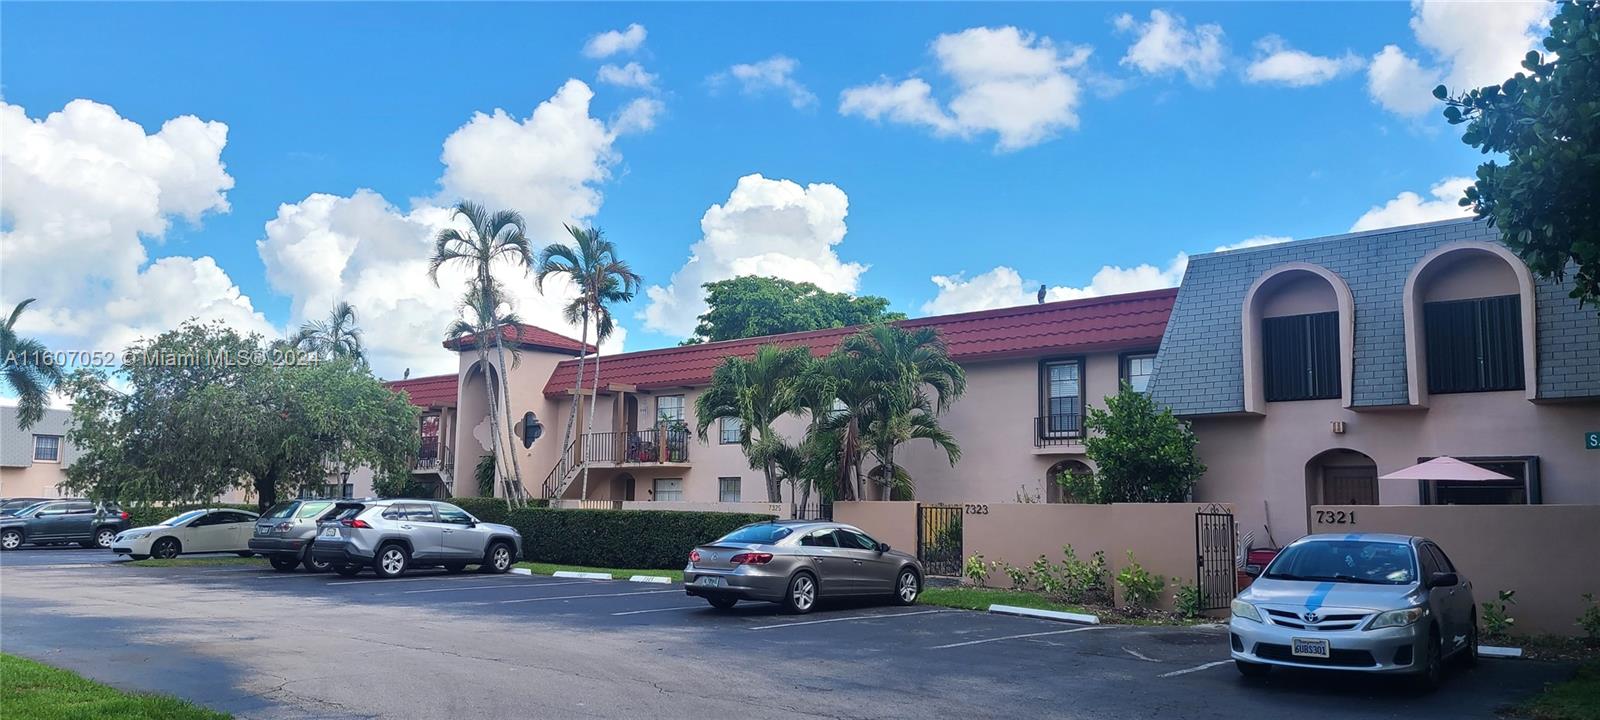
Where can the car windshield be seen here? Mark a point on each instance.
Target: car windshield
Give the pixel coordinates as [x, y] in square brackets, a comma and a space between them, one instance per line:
[1353, 561]
[756, 534]
[177, 520]
[280, 511]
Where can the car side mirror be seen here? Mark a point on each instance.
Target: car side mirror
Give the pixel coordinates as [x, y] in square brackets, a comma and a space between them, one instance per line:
[1253, 570]
[1444, 579]
[883, 547]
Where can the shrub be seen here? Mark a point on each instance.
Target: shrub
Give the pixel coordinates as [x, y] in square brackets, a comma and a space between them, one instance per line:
[1019, 576]
[1496, 616]
[645, 539]
[1187, 600]
[1140, 587]
[975, 570]
[146, 515]
[1085, 580]
[1045, 577]
[1590, 619]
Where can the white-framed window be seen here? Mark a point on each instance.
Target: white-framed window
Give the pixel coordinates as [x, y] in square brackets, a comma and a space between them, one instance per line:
[1062, 391]
[728, 489]
[728, 430]
[667, 489]
[47, 448]
[1137, 369]
[669, 409]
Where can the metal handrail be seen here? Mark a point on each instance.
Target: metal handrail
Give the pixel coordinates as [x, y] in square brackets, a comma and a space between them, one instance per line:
[1059, 429]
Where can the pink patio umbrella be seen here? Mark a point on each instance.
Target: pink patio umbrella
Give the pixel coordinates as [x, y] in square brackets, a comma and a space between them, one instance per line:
[1445, 468]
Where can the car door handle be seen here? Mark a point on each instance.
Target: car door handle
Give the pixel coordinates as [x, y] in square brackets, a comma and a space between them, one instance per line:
[447, 532]
[405, 527]
[858, 562]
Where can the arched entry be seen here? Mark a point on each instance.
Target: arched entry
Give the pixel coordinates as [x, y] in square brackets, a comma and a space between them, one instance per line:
[1053, 491]
[1341, 477]
[625, 483]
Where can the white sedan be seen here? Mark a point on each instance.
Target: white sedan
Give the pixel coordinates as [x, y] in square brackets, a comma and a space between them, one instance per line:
[210, 530]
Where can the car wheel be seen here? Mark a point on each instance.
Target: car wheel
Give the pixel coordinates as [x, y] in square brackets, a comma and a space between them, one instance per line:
[166, 548]
[1471, 651]
[315, 565]
[104, 536]
[283, 564]
[802, 594]
[498, 560]
[1431, 673]
[907, 587]
[1252, 670]
[455, 568]
[723, 603]
[391, 561]
[10, 539]
[347, 570]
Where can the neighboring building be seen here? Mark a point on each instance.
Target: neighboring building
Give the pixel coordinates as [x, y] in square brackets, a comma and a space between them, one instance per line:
[1031, 372]
[436, 461]
[34, 461]
[1310, 368]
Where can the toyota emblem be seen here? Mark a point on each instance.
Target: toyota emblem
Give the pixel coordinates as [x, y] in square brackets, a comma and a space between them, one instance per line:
[1311, 617]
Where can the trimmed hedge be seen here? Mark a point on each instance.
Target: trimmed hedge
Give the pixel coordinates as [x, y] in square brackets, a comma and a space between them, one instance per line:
[645, 539]
[153, 514]
[488, 509]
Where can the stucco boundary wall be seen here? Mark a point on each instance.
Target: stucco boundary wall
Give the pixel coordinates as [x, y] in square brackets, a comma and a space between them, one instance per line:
[1549, 554]
[1160, 535]
[778, 510]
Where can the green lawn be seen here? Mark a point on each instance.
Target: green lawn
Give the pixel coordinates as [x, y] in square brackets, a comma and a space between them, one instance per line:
[40, 692]
[1576, 699]
[197, 562]
[618, 574]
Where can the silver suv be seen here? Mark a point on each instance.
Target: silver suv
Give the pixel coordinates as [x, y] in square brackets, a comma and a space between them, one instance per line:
[285, 531]
[392, 536]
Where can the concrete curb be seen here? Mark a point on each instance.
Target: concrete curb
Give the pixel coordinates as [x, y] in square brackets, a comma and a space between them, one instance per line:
[1045, 614]
[1499, 652]
[582, 575]
[521, 571]
[651, 579]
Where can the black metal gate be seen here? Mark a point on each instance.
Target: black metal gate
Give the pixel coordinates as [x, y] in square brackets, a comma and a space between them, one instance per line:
[939, 539]
[1215, 574]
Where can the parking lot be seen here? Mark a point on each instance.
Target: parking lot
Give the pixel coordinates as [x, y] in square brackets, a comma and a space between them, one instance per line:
[246, 640]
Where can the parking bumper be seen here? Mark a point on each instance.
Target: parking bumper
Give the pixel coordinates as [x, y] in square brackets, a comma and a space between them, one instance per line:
[741, 585]
[1390, 650]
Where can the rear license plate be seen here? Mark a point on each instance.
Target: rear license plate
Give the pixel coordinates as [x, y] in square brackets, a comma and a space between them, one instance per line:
[263, 529]
[330, 532]
[1309, 647]
[709, 581]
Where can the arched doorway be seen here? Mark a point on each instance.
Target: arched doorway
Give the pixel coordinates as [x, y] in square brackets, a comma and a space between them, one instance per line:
[1341, 477]
[1054, 492]
[625, 484]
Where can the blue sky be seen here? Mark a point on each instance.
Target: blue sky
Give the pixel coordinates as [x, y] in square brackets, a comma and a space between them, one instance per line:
[1053, 141]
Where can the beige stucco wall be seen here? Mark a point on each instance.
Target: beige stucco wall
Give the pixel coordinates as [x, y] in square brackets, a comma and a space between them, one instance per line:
[472, 439]
[1259, 463]
[889, 522]
[36, 480]
[1549, 554]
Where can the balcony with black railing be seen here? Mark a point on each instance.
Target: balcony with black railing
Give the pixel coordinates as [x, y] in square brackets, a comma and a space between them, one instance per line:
[655, 446]
[433, 456]
[1058, 430]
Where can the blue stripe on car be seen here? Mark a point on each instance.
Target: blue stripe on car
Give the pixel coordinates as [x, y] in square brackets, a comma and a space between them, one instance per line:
[1319, 595]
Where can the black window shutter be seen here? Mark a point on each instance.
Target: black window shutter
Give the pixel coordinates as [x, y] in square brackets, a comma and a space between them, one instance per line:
[1474, 345]
[1300, 356]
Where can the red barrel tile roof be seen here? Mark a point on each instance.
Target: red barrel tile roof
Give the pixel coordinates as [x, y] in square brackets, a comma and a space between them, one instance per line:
[530, 336]
[1116, 322]
[431, 391]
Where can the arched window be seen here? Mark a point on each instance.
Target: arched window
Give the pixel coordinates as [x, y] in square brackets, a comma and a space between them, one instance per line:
[1298, 324]
[1469, 317]
[1058, 480]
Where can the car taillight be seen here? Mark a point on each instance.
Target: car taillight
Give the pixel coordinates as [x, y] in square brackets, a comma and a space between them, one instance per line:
[124, 515]
[356, 523]
[751, 559]
[694, 556]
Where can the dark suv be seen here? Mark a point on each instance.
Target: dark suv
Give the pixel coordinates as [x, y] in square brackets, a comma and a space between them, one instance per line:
[284, 533]
[63, 521]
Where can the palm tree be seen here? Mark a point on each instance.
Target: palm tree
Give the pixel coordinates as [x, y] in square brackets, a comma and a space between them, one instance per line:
[480, 321]
[591, 263]
[757, 391]
[336, 337]
[897, 368]
[29, 373]
[490, 238]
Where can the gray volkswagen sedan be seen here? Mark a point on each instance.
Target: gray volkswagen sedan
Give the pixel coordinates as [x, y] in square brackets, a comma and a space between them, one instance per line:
[1363, 602]
[797, 562]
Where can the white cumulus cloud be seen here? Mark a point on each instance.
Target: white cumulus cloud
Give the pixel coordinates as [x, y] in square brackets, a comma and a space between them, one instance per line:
[1277, 63]
[1409, 208]
[1007, 81]
[1165, 44]
[1470, 44]
[631, 75]
[769, 227]
[85, 191]
[774, 74]
[612, 42]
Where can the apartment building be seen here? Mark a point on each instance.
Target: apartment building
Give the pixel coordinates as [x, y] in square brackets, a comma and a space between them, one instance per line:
[34, 461]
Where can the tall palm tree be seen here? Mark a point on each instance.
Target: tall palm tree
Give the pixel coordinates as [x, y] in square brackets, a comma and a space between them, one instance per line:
[479, 321]
[336, 337]
[898, 368]
[490, 237]
[27, 371]
[603, 279]
[757, 391]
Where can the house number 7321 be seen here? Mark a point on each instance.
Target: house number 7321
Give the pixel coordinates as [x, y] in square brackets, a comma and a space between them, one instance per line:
[1336, 517]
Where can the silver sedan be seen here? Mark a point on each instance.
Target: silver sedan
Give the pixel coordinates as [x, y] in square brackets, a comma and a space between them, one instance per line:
[795, 563]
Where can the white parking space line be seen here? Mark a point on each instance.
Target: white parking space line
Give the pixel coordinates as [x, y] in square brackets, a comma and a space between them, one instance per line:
[574, 597]
[1196, 668]
[518, 585]
[456, 578]
[1138, 654]
[670, 609]
[847, 619]
[1019, 637]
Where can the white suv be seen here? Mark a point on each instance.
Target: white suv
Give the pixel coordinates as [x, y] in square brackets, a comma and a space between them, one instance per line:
[392, 536]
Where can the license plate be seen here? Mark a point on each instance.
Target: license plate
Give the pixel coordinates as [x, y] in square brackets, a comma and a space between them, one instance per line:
[709, 581]
[263, 529]
[1309, 647]
[330, 532]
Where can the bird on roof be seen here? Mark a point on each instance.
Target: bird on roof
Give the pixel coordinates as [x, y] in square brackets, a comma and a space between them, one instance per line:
[1041, 293]
[406, 375]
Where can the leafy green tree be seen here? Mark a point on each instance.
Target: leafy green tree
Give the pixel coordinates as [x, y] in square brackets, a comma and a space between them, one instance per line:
[488, 239]
[1142, 452]
[27, 369]
[337, 336]
[757, 391]
[209, 410]
[603, 279]
[752, 306]
[1547, 125]
[894, 371]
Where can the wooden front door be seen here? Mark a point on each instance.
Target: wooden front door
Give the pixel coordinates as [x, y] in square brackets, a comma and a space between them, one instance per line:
[1350, 486]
